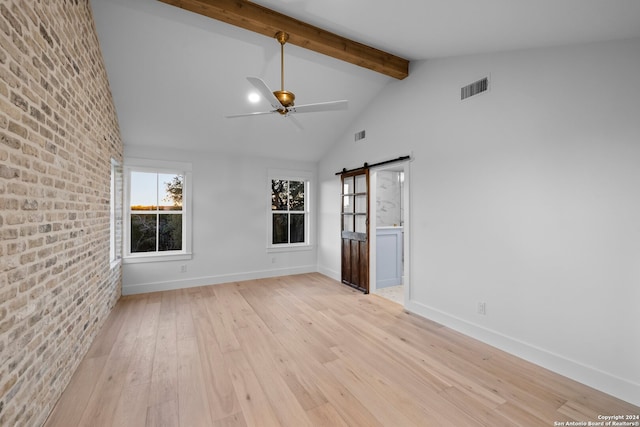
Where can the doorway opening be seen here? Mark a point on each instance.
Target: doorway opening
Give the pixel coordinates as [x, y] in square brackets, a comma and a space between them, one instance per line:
[389, 232]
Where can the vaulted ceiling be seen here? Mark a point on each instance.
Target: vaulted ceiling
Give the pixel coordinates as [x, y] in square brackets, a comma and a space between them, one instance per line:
[176, 74]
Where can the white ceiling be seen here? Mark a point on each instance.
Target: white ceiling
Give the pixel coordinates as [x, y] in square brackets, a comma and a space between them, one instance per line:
[175, 74]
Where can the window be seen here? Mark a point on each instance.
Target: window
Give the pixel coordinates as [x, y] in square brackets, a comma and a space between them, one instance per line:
[115, 213]
[157, 208]
[289, 213]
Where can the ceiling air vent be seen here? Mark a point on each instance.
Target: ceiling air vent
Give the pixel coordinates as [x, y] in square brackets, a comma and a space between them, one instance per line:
[359, 135]
[474, 88]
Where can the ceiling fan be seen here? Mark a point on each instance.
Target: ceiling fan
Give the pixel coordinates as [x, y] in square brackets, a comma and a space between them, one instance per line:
[282, 100]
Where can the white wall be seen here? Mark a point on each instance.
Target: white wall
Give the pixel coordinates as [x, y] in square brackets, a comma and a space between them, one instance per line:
[525, 197]
[230, 202]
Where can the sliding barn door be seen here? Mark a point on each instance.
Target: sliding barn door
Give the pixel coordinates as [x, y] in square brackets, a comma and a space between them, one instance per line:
[355, 229]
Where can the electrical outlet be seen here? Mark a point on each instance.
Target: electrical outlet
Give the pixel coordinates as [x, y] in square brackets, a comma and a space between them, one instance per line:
[183, 268]
[273, 260]
[482, 308]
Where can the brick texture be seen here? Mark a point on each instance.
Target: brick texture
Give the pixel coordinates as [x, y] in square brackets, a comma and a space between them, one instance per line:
[58, 134]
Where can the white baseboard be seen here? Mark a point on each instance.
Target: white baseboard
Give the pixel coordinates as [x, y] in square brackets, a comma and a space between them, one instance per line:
[335, 275]
[142, 288]
[590, 376]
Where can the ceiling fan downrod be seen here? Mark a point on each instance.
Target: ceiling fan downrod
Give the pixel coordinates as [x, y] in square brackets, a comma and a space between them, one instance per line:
[286, 98]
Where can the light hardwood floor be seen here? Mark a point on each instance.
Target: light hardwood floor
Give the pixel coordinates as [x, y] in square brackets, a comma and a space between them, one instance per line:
[305, 351]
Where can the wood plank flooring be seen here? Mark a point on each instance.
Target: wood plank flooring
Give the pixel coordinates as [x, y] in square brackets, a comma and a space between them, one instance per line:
[305, 351]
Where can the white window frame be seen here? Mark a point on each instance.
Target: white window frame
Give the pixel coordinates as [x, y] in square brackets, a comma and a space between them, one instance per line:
[306, 177]
[115, 214]
[159, 166]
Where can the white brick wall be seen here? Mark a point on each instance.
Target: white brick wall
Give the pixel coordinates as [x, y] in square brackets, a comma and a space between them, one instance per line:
[58, 132]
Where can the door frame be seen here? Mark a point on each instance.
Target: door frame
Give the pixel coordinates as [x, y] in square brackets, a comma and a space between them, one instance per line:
[406, 223]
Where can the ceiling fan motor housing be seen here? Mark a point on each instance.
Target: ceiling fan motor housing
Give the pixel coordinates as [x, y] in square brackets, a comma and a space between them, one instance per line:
[286, 98]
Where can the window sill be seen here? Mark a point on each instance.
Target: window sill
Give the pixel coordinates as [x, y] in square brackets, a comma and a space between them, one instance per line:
[272, 249]
[136, 259]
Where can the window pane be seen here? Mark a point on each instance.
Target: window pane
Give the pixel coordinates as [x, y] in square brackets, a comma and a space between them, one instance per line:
[347, 187]
[170, 232]
[279, 194]
[144, 191]
[296, 191]
[296, 228]
[280, 228]
[361, 224]
[347, 223]
[143, 233]
[170, 191]
[112, 214]
[116, 211]
[361, 204]
[361, 183]
[347, 203]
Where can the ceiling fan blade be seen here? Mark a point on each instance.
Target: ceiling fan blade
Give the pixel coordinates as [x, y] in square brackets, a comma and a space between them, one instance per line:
[266, 92]
[320, 106]
[259, 113]
[295, 122]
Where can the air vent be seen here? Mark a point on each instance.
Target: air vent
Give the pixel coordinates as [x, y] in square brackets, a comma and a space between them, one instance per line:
[474, 88]
[359, 135]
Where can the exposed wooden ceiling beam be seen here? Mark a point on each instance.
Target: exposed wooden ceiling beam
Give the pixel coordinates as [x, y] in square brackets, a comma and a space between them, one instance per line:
[259, 19]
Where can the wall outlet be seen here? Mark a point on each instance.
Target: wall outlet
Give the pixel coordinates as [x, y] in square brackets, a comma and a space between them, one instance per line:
[183, 268]
[273, 260]
[482, 308]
